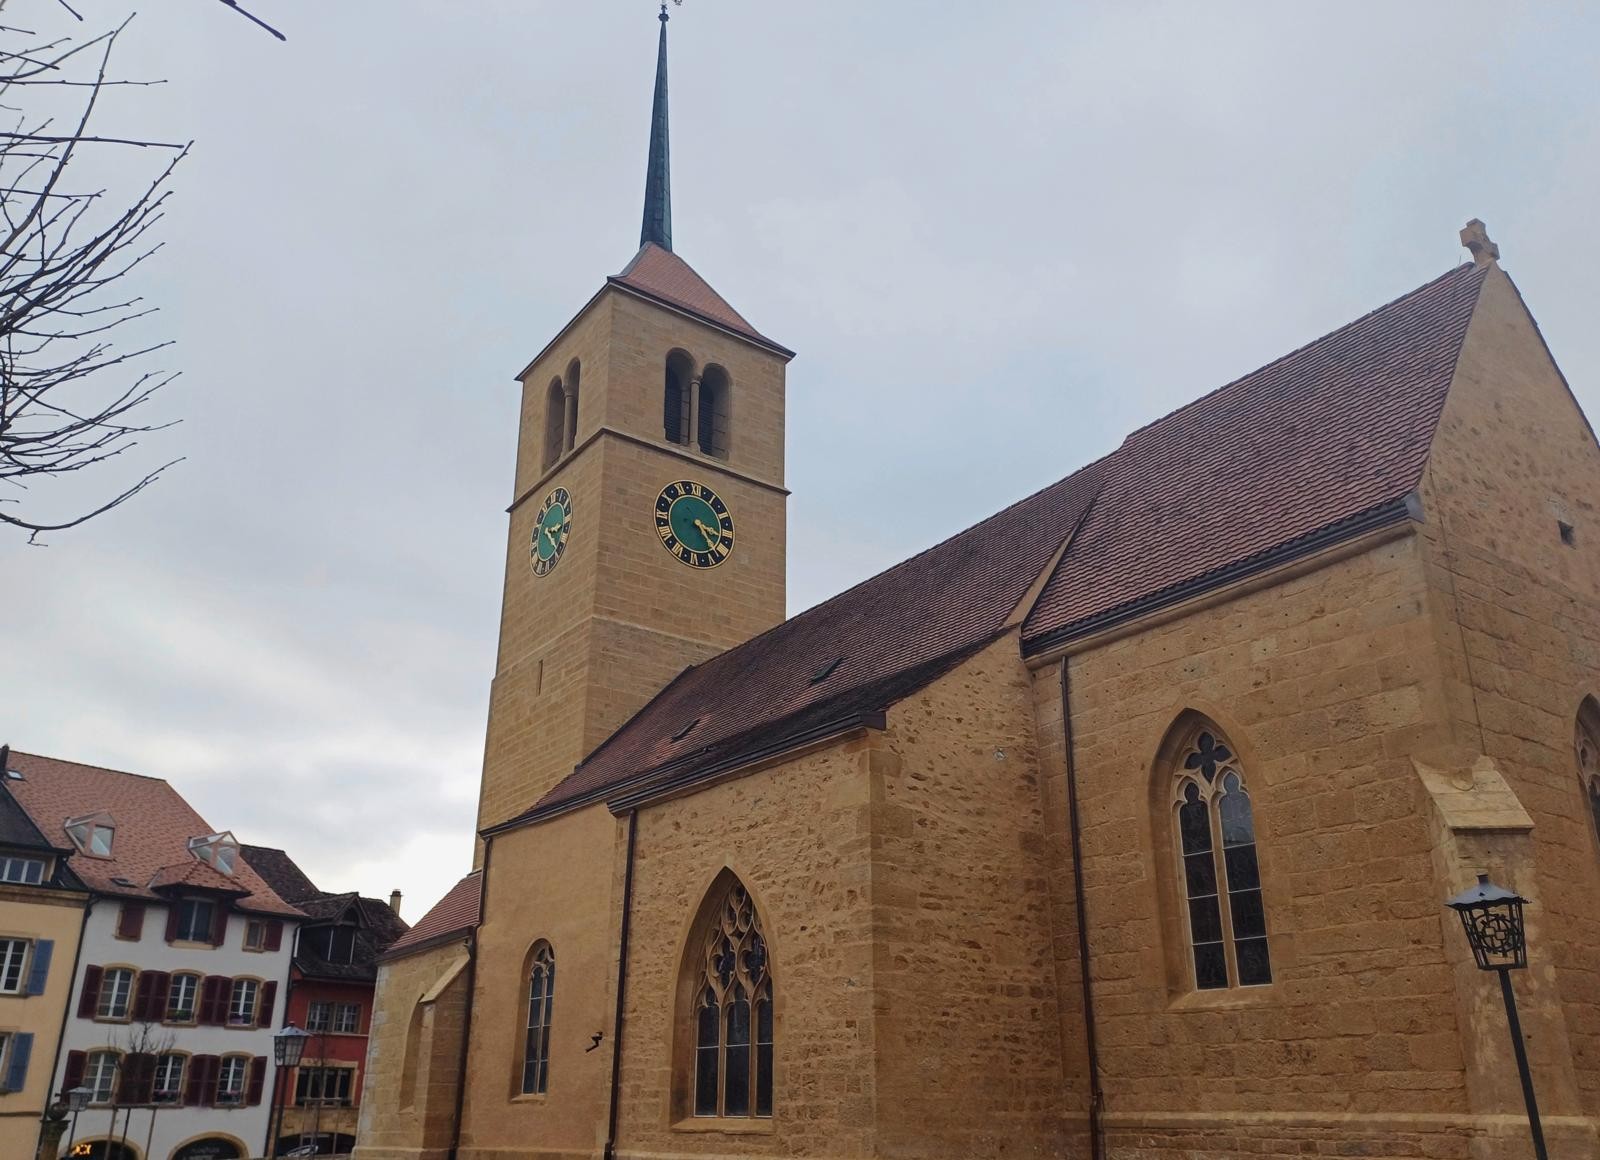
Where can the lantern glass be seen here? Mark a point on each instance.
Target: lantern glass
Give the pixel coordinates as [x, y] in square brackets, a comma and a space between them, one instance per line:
[78, 1099]
[1492, 918]
[289, 1045]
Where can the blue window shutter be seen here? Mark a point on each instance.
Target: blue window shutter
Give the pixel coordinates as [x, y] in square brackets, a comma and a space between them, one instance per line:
[17, 1072]
[39, 973]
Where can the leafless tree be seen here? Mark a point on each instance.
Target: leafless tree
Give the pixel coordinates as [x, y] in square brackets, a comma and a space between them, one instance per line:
[70, 398]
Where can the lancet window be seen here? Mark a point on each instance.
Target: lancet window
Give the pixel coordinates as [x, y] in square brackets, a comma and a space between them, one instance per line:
[541, 1004]
[1220, 873]
[732, 1013]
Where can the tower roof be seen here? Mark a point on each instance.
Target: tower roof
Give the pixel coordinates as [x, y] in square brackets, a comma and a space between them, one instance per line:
[658, 173]
[659, 274]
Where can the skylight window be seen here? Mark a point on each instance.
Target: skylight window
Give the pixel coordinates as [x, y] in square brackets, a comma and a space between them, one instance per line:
[686, 730]
[219, 851]
[93, 834]
[826, 671]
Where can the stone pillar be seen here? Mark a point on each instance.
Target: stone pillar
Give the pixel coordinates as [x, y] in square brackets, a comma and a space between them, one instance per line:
[55, 1124]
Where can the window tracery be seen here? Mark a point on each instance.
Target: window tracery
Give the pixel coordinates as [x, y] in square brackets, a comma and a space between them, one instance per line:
[1225, 913]
[541, 1005]
[733, 1017]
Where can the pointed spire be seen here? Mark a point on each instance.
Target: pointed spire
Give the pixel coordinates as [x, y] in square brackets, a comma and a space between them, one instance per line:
[658, 178]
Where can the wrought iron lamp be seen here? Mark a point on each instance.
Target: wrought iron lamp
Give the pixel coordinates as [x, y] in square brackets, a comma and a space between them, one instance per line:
[1492, 918]
[77, 1099]
[288, 1047]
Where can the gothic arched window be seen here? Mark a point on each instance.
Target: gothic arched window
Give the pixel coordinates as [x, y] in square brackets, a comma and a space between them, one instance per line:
[712, 413]
[731, 1011]
[555, 423]
[1588, 749]
[541, 1002]
[569, 436]
[1225, 915]
[675, 397]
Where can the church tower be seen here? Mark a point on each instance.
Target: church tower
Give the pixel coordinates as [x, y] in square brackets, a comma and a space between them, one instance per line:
[647, 524]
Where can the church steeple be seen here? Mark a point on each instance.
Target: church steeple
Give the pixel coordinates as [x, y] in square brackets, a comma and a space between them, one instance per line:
[658, 177]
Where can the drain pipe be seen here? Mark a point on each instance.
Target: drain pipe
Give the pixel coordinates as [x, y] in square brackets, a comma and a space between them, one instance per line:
[622, 988]
[1097, 1143]
[470, 945]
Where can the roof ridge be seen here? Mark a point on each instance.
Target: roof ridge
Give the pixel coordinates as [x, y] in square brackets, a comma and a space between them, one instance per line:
[1303, 347]
[102, 768]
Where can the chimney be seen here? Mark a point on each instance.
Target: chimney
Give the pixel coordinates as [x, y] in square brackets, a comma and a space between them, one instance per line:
[394, 902]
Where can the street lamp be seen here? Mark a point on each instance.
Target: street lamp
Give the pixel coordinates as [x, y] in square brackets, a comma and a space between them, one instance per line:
[288, 1046]
[1492, 918]
[77, 1100]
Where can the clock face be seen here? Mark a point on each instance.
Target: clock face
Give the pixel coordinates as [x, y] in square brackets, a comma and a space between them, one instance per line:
[694, 524]
[551, 531]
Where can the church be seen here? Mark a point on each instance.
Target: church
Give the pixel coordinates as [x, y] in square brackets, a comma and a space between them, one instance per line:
[1119, 825]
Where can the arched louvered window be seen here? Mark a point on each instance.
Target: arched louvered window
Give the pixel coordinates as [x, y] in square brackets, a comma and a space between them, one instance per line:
[1587, 743]
[555, 423]
[675, 397]
[732, 1013]
[541, 1003]
[1220, 873]
[712, 412]
[570, 384]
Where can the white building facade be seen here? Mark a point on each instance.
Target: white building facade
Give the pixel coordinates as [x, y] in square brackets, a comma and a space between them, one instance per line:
[170, 1027]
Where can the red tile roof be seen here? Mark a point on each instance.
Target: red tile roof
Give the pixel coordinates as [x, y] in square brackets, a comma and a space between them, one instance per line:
[454, 914]
[195, 873]
[1318, 437]
[153, 826]
[1310, 444]
[889, 636]
[662, 275]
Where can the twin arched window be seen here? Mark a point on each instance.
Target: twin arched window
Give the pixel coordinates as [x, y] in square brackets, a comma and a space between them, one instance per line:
[1221, 876]
[541, 1005]
[561, 415]
[695, 409]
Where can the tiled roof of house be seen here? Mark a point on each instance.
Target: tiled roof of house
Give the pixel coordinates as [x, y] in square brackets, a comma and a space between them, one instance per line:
[378, 925]
[1310, 444]
[1320, 436]
[17, 830]
[454, 914]
[153, 825]
[196, 874]
[662, 275]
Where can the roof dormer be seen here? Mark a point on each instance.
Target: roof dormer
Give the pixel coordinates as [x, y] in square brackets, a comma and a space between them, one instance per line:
[219, 851]
[92, 834]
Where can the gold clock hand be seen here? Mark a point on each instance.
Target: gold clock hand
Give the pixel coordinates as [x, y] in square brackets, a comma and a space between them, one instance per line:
[712, 535]
[550, 534]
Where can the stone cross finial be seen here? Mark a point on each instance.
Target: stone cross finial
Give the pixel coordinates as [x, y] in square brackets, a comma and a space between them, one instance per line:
[1476, 238]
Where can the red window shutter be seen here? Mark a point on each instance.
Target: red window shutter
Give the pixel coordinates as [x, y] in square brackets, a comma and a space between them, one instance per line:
[202, 1087]
[214, 1000]
[89, 997]
[73, 1077]
[174, 913]
[141, 997]
[161, 984]
[136, 1079]
[219, 926]
[269, 998]
[258, 1080]
[130, 922]
[274, 940]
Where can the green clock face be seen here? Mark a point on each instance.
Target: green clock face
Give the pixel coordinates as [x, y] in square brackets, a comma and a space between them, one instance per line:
[551, 531]
[694, 524]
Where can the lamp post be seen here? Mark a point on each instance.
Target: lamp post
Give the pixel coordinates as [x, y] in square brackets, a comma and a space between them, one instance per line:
[1492, 918]
[55, 1122]
[77, 1100]
[288, 1046]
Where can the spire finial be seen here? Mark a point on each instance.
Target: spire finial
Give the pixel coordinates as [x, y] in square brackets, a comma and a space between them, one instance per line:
[658, 174]
[1476, 238]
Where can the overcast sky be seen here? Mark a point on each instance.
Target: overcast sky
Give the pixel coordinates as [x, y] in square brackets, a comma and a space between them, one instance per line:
[1000, 236]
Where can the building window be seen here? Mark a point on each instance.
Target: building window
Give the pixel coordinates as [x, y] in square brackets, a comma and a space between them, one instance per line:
[255, 935]
[242, 1003]
[167, 1087]
[711, 409]
[182, 996]
[219, 851]
[13, 965]
[196, 917]
[24, 871]
[1588, 750]
[347, 1018]
[230, 1079]
[570, 412]
[1226, 917]
[732, 1012]
[93, 834]
[323, 1085]
[116, 985]
[541, 1003]
[332, 944]
[555, 423]
[100, 1076]
[675, 397]
[319, 1016]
